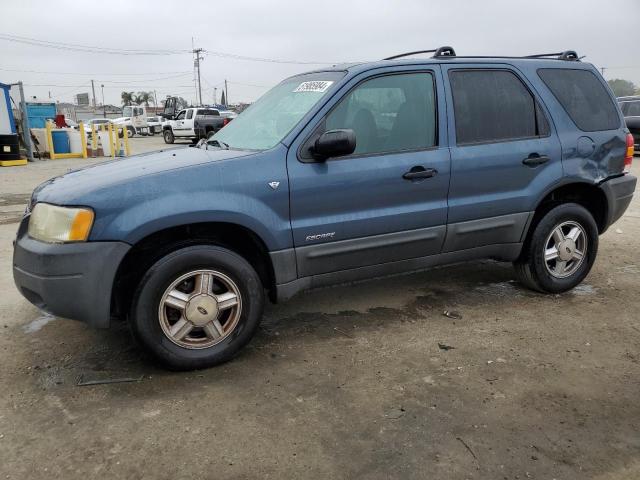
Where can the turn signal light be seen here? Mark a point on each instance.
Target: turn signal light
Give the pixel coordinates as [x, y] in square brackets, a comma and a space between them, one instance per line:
[628, 158]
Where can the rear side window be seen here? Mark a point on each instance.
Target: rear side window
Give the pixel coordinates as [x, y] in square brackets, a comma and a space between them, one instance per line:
[494, 106]
[189, 114]
[583, 97]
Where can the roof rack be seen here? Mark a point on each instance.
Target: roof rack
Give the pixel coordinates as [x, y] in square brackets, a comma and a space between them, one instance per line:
[438, 52]
[566, 55]
[444, 52]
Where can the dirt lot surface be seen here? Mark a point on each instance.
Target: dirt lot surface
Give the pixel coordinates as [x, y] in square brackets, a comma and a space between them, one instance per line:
[362, 381]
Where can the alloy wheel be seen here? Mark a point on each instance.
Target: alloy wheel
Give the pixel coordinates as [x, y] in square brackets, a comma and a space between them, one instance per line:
[565, 249]
[200, 309]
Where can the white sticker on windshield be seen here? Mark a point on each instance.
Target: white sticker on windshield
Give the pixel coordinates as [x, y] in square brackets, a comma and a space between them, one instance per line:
[315, 86]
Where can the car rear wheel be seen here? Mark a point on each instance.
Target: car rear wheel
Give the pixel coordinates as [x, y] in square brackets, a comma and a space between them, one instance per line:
[560, 251]
[168, 136]
[197, 307]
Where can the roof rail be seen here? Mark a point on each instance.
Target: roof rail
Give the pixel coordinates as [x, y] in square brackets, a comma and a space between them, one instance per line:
[438, 52]
[566, 55]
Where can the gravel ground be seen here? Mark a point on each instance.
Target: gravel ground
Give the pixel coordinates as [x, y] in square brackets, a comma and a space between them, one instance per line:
[370, 380]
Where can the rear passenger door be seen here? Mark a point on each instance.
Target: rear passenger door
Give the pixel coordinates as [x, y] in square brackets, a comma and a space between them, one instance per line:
[504, 153]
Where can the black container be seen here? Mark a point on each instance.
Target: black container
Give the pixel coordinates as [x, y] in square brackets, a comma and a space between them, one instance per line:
[9, 147]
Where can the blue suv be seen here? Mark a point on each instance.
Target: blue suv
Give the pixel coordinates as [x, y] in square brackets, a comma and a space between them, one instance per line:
[336, 175]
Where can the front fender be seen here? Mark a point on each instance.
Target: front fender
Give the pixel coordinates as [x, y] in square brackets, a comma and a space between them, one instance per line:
[139, 221]
[234, 190]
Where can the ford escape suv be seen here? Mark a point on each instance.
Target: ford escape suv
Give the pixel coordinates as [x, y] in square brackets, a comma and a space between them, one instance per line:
[336, 175]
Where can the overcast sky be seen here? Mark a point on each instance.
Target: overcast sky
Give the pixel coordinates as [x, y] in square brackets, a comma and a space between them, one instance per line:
[607, 32]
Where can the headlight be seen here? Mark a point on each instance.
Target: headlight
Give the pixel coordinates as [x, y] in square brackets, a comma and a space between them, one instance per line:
[50, 223]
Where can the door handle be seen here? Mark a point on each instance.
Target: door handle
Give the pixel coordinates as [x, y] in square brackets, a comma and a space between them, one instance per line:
[418, 172]
[535, 159]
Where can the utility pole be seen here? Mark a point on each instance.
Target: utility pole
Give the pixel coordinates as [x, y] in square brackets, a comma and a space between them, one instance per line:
[104, 108]
[226, 93]
[215, 95]
[93, 89]
[198, 59]
[155, 96]
[602, 70]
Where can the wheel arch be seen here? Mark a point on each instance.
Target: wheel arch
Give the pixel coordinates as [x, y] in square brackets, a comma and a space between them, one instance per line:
[586, 194]
[154, 246]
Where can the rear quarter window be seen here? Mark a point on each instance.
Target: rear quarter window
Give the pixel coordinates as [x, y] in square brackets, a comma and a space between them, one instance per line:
[583, 96]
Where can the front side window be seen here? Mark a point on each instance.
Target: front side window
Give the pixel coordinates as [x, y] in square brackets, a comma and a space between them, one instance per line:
[180, 115]
[583, 96]
[389, 114]
[493, 106]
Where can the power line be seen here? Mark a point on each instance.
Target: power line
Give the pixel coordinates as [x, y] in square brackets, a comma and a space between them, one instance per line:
[86, 48]
[123, 51]
[263, 59]
[106, 86]
[146, 79]
[102, 74]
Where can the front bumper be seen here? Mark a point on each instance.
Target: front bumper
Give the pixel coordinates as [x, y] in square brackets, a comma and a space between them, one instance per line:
[71, 280]
[619, 192]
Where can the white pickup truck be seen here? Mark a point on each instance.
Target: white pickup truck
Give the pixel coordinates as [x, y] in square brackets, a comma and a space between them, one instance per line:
[195, 123]
[135, 119]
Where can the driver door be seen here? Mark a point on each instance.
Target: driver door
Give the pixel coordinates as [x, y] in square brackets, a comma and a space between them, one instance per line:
[178, 130]
[363, 209]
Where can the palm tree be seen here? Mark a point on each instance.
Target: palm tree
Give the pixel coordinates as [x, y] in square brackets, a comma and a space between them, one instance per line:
[144, 97]
[127, 98]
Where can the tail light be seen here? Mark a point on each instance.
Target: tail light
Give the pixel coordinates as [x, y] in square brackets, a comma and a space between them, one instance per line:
[226, 120]
[628, 158]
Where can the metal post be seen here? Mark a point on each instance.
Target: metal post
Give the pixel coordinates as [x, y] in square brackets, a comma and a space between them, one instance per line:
[26, 130]
[226, 93]
[215, 95]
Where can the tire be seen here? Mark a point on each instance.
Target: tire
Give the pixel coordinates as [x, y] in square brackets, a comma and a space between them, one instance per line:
[149, 317]
[168, 136]
[131, 132]
[540, 266]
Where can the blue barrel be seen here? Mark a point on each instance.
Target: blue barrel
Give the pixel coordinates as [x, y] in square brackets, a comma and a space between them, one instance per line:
[60, 141]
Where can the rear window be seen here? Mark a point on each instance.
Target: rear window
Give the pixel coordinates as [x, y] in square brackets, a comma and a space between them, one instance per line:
[494, 106]
[583, 96]
[631, 109]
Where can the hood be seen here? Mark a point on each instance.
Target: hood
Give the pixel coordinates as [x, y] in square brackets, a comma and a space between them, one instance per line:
[75, 187]
[120, 119]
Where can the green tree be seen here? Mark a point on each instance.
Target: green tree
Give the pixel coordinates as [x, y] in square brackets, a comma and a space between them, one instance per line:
[622, 88]
[144, 97]
[127, 98]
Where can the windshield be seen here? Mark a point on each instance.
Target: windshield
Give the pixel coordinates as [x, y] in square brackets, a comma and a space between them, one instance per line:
[271, 118]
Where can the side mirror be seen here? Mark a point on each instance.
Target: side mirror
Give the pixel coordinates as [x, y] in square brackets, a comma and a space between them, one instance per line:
[334, 143]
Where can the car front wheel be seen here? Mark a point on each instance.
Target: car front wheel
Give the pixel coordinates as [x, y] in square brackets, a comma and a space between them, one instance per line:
[168, 136]
[560, 251]
[197, 307]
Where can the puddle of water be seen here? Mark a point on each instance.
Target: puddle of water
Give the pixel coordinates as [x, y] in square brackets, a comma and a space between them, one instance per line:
[584, 289]
[499, 288]
[38, 323]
